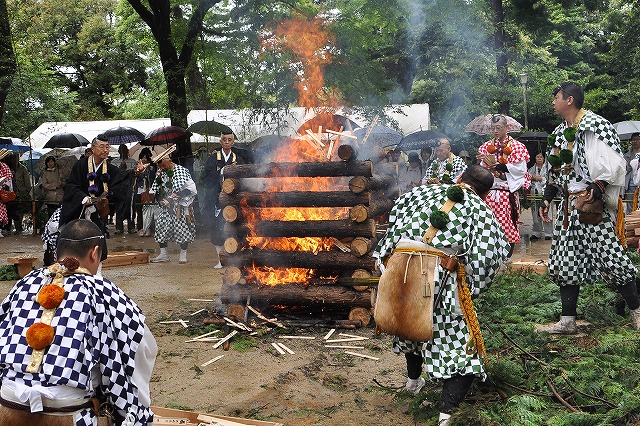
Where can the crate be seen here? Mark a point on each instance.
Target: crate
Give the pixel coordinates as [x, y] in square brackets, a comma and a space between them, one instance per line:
[125, 258]
[167, 416]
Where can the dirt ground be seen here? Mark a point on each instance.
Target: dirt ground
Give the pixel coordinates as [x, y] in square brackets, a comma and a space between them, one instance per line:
[314, 386]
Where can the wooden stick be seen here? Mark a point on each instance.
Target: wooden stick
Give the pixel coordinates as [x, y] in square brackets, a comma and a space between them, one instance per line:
[184, 323]
[342, 246]
[313, 143]
[227, 337]
[286, 348]
[262, 317]
[278, 348]
[346, 135]
[352, 336]
[351, 339]
[204, 340]
[217, 421]
[315, 137]
[371, 126]
[198, 311]
[201, 300]
[211, 361]
[173, 322]
[343, 347]
[202, 336]
[296, 337]
[333, 330]
[237, 324]
[362, 355]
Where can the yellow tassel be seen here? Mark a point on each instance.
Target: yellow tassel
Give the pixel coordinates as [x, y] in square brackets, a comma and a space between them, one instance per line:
[620, 223]
[635, 200]
[476, 342]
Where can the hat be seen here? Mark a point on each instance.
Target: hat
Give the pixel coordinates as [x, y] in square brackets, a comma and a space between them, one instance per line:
[414, 157]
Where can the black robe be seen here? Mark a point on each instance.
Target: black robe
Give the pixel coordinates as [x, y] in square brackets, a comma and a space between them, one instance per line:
[77, 188]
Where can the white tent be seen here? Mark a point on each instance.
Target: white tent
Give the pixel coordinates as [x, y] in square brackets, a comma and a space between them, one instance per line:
[248, 124]
[90, 129]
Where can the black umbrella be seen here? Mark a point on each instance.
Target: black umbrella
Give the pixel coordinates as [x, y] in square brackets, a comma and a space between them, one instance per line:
[327, 121]
[166, 135]
[266, 146]
[378, 136]
[211, 128]
[66, 140]
[121, 135]
[421, 139]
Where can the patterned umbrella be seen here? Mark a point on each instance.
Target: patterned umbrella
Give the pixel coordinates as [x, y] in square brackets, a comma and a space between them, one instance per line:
[378, 135]
[66, 140]
[120, 135]
[421, 139]
[481, 125]
[166, 135]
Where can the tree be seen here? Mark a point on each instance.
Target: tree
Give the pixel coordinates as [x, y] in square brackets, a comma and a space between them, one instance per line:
[8, 65]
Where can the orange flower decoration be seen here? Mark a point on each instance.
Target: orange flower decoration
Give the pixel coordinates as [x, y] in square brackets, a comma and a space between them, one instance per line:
[50, 296]
[502, 160]
[491, 149]
[507, 150]
[39, 335]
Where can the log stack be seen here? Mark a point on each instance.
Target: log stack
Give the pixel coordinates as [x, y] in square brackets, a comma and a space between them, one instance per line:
[355, 198]
[632, 228]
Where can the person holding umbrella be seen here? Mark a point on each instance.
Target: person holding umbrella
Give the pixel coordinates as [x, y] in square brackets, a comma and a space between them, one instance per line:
[92, 184]
[507, 159]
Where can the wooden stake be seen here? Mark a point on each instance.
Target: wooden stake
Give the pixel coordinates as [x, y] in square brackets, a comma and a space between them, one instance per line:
[340, 133]
[297, 337]
[227, 337]
[333, 330]
[286, 348]
[262, 317]
[343, 347]
[351, 339]
[362, 355]
[211, 361]
[198, 311]
[278, 348]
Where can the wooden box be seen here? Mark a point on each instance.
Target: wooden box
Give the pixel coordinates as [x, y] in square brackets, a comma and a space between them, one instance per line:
[125, 258]
[169, 416]
[530, 265]
[24, 264]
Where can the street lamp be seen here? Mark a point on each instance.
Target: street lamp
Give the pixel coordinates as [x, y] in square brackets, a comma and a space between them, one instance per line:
[524, 78]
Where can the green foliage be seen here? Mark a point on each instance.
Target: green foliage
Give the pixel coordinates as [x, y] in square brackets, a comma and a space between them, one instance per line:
[9, 273]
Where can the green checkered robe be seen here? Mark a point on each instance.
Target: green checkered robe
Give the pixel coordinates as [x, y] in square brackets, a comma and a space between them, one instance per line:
[474, 233]
[582, 253]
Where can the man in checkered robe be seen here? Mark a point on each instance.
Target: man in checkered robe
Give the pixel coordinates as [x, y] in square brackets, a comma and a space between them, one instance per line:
[438, 171]
[174, 191]
[101, 346]
[581, 253]
[507, 158]
[474, 234]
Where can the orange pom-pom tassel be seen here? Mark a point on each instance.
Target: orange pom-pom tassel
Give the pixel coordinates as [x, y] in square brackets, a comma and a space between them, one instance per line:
[491, 149]
[507, 150]
[502, 160]
[40, 335]
[50, 296]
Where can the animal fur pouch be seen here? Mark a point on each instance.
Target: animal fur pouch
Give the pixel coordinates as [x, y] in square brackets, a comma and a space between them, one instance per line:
[589, 212]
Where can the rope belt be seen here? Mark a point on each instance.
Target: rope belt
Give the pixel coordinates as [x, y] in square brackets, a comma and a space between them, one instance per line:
[91, 403]
[476, 341]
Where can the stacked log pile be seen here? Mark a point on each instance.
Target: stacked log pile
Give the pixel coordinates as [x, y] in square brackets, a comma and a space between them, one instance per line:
[360, 196]
[632, 228]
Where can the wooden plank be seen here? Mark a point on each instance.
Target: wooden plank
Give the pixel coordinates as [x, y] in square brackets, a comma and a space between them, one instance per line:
[193, 417]
[125, 258]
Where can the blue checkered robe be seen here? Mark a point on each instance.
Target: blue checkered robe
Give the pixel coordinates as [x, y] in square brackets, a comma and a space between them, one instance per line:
[168, 226]
[97, 331]
[474, 233]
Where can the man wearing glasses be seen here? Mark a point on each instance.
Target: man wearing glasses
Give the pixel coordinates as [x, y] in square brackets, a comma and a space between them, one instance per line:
[589, 171]
[92, 184]
[507, 159]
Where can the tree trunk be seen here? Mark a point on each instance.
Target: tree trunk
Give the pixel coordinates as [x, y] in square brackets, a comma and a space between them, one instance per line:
[501, 54]
[8, 65]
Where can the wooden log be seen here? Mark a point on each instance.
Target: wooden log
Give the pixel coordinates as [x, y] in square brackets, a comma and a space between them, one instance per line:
[231, 213]
[304, 228]
[329, 168]
[361, 314]
[361, 273]
[296, 199]
[296, 295]
[237, 311]
[358, 184]
[347, 152]
[360, 213]
[230, 186]
[296, 259]
[231, 245]
[361, 246]
[232, 276]
[125, 258]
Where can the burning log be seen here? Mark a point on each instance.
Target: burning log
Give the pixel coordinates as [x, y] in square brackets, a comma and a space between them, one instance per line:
[359, 184]
[296, 259]
[232, 276]
[231, 245]
[347, 152]
[296, 199]
[361, 314]
[360, 213]
[296, 295]
[230, 213]
[305, 228]
[273, 170]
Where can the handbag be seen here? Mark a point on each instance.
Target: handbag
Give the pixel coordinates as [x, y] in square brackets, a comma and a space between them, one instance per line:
[146, 197]
[7, 196]
[589, 212]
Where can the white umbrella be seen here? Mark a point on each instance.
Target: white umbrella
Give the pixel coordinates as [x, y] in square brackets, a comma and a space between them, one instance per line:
[626, 128]
[34, 154]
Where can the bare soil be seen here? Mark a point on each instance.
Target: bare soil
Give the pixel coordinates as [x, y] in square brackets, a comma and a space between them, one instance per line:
[315, 386]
